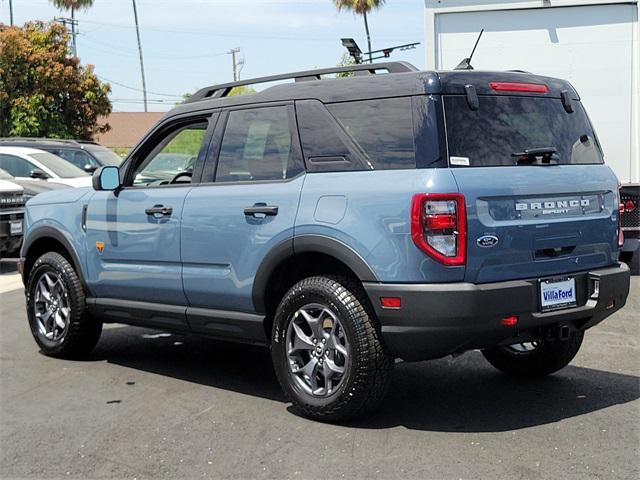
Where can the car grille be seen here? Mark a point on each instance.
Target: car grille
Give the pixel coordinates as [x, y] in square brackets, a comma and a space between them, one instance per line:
[11, 201]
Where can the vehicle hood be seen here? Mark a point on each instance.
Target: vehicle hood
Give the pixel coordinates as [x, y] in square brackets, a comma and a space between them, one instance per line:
[35, 187]
[67, 195]
[7, 186]
[75, 182]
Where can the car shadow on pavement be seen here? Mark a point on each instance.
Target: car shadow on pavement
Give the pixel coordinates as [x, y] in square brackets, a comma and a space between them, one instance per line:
[464, 394]
[468, 395]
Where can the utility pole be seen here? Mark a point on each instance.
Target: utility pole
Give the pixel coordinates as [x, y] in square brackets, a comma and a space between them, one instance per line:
[73, 31]
[70, 23]
[144, 83]
[233, 52]
[11, 12]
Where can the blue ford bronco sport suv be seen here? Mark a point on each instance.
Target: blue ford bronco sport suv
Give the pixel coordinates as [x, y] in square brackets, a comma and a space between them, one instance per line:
[345, 222]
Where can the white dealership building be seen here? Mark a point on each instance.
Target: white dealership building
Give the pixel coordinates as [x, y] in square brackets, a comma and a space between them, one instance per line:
[593, 44]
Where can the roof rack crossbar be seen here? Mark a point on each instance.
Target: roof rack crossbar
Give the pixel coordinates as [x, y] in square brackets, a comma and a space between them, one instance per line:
[222, 90]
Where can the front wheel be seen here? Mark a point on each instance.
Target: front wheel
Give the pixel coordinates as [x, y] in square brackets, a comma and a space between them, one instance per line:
[57, 311]
[327, 351]
[535, 359]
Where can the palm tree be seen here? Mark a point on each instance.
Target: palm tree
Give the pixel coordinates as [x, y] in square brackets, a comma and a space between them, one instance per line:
[73, 5]
[361, 7]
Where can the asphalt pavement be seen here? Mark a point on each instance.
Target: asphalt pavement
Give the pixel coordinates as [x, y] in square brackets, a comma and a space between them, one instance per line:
[149, 404]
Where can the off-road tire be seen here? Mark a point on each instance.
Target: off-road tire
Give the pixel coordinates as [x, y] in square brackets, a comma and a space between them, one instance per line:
[366, 381]
[82, 331]
[548, 357]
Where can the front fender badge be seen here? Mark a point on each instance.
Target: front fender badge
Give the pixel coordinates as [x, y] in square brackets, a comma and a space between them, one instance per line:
[487, 241]
[100, 247]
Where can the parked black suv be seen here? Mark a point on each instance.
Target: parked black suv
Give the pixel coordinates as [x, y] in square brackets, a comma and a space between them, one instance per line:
[83, 154]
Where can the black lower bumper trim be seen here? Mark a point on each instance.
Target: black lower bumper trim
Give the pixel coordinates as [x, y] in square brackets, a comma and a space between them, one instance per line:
[440, 319]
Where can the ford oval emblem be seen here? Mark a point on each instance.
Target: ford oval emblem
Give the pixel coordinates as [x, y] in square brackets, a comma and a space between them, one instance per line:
[487, 241]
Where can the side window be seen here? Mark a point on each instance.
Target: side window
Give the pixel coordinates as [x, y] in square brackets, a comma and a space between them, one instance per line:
[257, 145]
[16, 166]
[79, 158]
[382, 128]
[173, 159]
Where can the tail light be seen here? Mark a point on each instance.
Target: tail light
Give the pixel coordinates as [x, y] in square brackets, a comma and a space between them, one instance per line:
[439, 226]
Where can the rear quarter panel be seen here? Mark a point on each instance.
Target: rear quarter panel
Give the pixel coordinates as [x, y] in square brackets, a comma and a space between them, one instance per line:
[370, 212]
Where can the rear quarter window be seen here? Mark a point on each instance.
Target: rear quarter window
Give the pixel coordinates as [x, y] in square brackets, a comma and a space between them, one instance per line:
[382, 128]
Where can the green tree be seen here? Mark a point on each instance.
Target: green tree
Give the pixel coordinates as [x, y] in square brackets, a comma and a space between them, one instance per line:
[345, 61]
[361, 7]
[73, 5]
[43, 90]
[241, 90]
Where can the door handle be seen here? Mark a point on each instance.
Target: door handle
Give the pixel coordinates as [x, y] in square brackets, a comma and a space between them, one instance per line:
[261, 208]
[159, 210]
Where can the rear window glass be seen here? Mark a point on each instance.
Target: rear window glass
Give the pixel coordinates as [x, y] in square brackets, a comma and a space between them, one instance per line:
[382, 128]
[506, 125]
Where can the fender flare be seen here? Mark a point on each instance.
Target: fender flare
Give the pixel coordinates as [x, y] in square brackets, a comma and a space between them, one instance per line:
[47, 231]
[306, 244]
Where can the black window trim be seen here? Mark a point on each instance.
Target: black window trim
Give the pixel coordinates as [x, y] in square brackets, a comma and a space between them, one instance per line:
[211, 162]
[154, 138]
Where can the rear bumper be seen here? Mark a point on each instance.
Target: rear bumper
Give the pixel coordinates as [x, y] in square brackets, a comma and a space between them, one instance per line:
[440, 319]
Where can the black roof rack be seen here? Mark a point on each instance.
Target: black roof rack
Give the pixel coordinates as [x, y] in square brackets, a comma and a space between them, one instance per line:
[222, 90]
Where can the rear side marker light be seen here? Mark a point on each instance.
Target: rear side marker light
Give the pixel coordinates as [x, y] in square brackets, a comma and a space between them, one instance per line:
[519, 87]
[390, 302]
[439, 226]
[510, 321]
[610, 304]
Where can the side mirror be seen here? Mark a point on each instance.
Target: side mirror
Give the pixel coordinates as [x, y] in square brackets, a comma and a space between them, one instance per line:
[90, 168]
[106, 178]
[38, 174]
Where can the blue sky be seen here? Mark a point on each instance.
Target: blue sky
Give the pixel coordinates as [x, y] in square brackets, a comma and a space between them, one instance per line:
[184, 40]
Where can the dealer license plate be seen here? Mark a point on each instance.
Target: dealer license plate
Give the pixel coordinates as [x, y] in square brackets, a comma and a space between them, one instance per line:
[556, 294]
[15, 228]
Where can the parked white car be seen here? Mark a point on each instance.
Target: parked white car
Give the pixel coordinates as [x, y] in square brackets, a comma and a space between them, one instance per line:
[29, 163]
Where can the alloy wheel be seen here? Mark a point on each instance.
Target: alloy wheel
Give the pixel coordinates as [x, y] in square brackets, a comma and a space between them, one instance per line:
[318, 350]
[51, 306]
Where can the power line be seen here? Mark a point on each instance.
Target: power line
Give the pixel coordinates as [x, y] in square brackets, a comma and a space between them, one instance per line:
[136, 89]
[118, 49]
[231, 34]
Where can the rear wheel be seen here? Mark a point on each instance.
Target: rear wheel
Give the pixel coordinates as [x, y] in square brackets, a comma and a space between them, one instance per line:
[56, 308]
[534, 359]
[326, 350]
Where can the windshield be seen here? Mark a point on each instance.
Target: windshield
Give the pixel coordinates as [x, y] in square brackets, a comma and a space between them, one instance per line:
[171, 162]
[57, 165]
[506, 125]
[4, 175]
[105, 156]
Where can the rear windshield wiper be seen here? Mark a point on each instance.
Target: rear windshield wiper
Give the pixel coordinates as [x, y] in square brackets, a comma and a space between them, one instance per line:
[531, 155]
